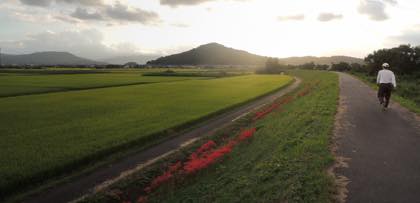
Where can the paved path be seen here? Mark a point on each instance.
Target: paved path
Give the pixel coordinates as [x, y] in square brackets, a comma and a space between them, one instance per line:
[382, 149]
[83, 185]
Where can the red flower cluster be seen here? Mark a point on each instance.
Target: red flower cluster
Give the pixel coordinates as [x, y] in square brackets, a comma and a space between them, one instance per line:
[305, 91]
[308, 88]
[203, 149]
[165, 177]
[264, 112]
[246, 134]
[209, 156]
[202, 158]
[275, 105]
[142, 199]
[197, 163]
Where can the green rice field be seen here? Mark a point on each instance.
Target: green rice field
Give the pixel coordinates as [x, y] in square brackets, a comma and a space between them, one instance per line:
[14, 84]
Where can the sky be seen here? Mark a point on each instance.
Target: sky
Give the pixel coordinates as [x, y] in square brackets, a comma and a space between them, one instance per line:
[100, 29]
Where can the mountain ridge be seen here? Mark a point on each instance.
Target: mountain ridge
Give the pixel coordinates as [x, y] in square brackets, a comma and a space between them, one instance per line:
[218, 54]
[47, 58]
[211, 54]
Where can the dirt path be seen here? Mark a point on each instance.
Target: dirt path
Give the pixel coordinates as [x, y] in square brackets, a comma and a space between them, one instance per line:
[83, 185]
[379, 152]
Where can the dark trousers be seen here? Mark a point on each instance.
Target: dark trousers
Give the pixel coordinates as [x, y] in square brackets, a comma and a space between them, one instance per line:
[384, 92]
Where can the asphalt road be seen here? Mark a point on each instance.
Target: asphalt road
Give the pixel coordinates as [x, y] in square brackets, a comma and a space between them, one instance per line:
[381, 149]
[85, 184]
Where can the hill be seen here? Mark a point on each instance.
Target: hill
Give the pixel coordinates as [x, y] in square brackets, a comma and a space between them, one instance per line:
[46, 58]
[217, 54]
[211, 54]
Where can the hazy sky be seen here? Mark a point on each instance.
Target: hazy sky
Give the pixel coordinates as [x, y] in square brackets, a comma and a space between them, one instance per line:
[103, 28]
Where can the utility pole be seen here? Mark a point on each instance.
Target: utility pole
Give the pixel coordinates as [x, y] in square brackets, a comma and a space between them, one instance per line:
[0, 58]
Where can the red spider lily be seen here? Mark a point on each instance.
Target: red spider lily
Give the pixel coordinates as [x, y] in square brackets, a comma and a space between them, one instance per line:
[142, 199]
[148, 189]
[246, 134]
[304, 92]
[198, 160]
[175, 167]
[264, 112]
[165, 177]
[274, 106]
[286, 100]
[198, 163]
[203, 149]
[207, 146]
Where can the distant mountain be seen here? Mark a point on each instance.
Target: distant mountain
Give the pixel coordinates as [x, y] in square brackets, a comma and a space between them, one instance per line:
[217, 54]
[140, 59]
[46, 58]
[320, 60]
[211, 54]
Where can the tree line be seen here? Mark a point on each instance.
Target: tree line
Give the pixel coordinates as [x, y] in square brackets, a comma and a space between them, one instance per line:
[404, 59]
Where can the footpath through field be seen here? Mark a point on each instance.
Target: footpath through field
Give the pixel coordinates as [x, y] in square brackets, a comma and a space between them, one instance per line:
[379, 151]
[83, 185]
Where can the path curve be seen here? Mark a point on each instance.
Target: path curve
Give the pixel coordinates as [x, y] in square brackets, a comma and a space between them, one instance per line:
[86, 184]
[379, 151]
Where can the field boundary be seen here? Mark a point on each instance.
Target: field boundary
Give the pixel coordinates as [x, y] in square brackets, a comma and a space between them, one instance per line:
[65, 89]
[163, 142]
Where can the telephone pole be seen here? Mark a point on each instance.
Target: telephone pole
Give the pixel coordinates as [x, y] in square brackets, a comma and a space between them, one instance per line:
[0, 58]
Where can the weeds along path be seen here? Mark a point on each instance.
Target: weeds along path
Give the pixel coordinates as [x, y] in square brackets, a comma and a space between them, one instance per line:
[379, 152]
[83, 185]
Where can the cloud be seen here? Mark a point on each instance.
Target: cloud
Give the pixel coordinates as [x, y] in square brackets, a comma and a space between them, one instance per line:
[123, 13]
[84, 14]
[46, 3]
[325, 17]
[85, 43]
[90, 10]
[392, 2]
[42, 3]
[66, 19]
[374, 9]
[291, 17]
[408, 36]
[117, 13]
[175, 3]
[180, 25]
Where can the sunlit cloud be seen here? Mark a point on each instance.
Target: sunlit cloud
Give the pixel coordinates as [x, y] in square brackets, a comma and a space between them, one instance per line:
[374, 9]
[175, 3]
[291, 17]
[46, 3]
[408, 36]
[392, 2]
[325, 17]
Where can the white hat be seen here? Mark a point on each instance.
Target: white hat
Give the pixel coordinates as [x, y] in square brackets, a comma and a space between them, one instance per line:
[385, 65]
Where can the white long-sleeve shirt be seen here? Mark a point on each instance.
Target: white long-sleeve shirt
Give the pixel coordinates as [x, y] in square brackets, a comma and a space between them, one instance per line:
[386, 76]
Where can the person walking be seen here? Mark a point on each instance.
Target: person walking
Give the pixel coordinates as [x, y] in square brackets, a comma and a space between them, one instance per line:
[386, 81]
